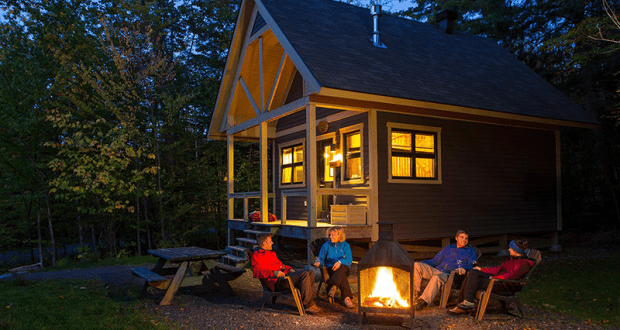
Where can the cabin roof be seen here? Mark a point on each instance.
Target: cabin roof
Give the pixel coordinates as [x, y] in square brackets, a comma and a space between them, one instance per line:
[421, 61]
[331, 45]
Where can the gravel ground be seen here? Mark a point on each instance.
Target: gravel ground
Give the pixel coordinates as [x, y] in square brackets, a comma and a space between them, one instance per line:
[206, 308]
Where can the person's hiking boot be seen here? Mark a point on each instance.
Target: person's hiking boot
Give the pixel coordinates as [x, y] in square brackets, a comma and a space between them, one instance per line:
[313, 309]
[466, 305]
[420, 304]
[348, 303]
[331, 294]
[457, 311]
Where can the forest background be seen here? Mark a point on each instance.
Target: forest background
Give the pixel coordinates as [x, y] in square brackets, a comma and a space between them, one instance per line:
[105, 107]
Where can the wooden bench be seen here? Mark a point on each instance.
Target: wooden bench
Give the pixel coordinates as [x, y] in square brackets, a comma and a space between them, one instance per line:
[150, 277]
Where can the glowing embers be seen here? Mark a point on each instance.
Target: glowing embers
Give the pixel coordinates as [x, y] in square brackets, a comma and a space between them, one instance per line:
[385, 287]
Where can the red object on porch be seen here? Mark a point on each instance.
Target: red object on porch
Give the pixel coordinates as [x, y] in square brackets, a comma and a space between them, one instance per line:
[255, 217]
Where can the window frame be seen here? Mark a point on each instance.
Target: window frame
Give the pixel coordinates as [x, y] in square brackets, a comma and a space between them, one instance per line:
[408, 128]
[286, 145]
[343, 133]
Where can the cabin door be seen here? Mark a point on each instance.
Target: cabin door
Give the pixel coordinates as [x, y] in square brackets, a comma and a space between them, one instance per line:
[326, 179]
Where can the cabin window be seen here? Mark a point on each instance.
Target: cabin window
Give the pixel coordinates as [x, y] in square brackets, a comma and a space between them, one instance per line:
[414, 153]
[353, 155]
[292, 164]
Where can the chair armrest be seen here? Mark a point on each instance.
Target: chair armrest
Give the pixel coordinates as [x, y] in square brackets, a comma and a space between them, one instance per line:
[325, 273]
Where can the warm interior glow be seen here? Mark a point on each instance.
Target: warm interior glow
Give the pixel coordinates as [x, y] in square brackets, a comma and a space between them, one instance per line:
[385, 293]
[425, 168]
[425, 143]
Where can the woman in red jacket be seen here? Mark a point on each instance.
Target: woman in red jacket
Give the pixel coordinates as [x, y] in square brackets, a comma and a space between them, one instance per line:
[479, 278]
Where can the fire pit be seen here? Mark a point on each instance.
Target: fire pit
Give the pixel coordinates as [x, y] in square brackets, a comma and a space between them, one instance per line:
[385, 277]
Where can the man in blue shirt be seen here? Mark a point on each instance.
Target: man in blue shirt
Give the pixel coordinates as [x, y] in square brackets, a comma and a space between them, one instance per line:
[459, 256]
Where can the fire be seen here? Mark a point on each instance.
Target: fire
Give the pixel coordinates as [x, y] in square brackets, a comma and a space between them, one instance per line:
[385, 293]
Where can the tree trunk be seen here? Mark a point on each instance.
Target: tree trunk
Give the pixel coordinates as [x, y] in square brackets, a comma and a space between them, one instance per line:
[49, 221]
[138, 239]
[148, 229]
[39, 233]
[94, 239]
[80, 229]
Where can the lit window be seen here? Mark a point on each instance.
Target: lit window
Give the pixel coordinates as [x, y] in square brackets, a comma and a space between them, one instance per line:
[328, 171]
[413, 148]
[353, 155]
[292, 164]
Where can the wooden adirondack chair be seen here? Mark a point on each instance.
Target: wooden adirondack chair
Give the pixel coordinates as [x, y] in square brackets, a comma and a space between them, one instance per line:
[315, 247]
[269, 295]
[447, 287]
[506, 298]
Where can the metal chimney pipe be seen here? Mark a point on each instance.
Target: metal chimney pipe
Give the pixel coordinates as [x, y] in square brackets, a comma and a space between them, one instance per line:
[375, 11]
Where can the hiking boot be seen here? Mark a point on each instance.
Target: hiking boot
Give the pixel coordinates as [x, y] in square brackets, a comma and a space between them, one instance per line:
[420, 304]
[466, 305]
[348, 303]
[313, 309]
[331, 294]
[457, 311]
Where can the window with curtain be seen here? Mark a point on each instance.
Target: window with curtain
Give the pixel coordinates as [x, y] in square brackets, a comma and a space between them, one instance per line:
[352, 155]
[414, 154]
[292, 164]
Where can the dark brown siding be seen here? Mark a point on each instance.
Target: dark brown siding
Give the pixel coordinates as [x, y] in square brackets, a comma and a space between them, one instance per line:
[496, 180]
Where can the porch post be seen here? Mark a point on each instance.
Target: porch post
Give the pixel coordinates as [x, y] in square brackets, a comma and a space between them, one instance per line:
[373, 195]
[264, 199]
[311, 176]
[230, 177]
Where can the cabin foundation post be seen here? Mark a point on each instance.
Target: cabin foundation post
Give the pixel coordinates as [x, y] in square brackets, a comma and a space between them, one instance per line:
[556, 247]
[503, 246]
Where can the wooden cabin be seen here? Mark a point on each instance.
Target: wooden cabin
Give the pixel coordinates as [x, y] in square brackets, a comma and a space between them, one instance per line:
[369, 117]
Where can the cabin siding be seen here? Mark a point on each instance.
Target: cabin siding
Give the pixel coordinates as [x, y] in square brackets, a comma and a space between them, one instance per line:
[495, 180]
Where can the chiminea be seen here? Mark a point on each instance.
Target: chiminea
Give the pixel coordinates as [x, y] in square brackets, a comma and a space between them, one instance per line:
[385, 277]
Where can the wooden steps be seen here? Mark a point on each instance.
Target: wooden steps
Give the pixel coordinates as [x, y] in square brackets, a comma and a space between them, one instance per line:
[237, 255]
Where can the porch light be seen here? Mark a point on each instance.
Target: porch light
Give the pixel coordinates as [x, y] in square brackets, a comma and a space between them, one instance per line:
[334, 159]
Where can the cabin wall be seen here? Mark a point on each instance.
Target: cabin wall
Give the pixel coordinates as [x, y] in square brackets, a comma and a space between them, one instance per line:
[296, 209]
[495, 180]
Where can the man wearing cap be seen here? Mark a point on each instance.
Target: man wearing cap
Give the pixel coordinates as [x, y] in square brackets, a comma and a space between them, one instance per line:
[458, 256]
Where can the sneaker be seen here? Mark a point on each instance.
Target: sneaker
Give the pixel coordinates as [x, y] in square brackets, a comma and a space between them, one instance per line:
[331, 294]
[348, 303]
[313, 309]
[420, 304]
[466, 305]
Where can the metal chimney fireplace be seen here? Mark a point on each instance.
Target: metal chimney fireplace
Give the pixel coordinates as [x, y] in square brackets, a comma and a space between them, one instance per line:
[385, 277]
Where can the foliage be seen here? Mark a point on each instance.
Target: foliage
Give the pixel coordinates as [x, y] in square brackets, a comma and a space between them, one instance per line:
[107, 111]
[578, 288]
[73, 305]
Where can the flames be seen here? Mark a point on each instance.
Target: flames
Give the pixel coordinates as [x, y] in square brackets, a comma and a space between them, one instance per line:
[385, 292]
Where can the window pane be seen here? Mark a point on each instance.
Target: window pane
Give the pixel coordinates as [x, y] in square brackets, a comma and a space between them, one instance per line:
[353, 142]
[401, 166]
[327, 173]
[425, 168]
[287, 156]
[425, 143]
[299, 174]
[286, 175]
[299, 154]
[401, 141]
[354, 169]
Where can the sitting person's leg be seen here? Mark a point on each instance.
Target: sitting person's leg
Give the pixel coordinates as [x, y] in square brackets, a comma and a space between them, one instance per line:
[422, 271]
[304, 281]
[475, 280]
[433, 286]
[340, 280]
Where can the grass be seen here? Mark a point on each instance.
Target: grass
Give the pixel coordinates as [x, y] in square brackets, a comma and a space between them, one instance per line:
[585, 289]
[65, 304]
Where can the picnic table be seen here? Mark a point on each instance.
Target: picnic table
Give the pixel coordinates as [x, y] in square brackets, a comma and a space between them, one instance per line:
[189, 267]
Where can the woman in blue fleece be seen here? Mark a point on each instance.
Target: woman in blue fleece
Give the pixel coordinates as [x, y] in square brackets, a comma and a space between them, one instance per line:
[336, 256]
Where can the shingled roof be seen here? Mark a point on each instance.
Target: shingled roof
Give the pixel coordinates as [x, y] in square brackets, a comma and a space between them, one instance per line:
[421, 62]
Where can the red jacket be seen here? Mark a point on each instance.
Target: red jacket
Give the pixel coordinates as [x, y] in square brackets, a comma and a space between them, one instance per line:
[265, 263]
[513, 269]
